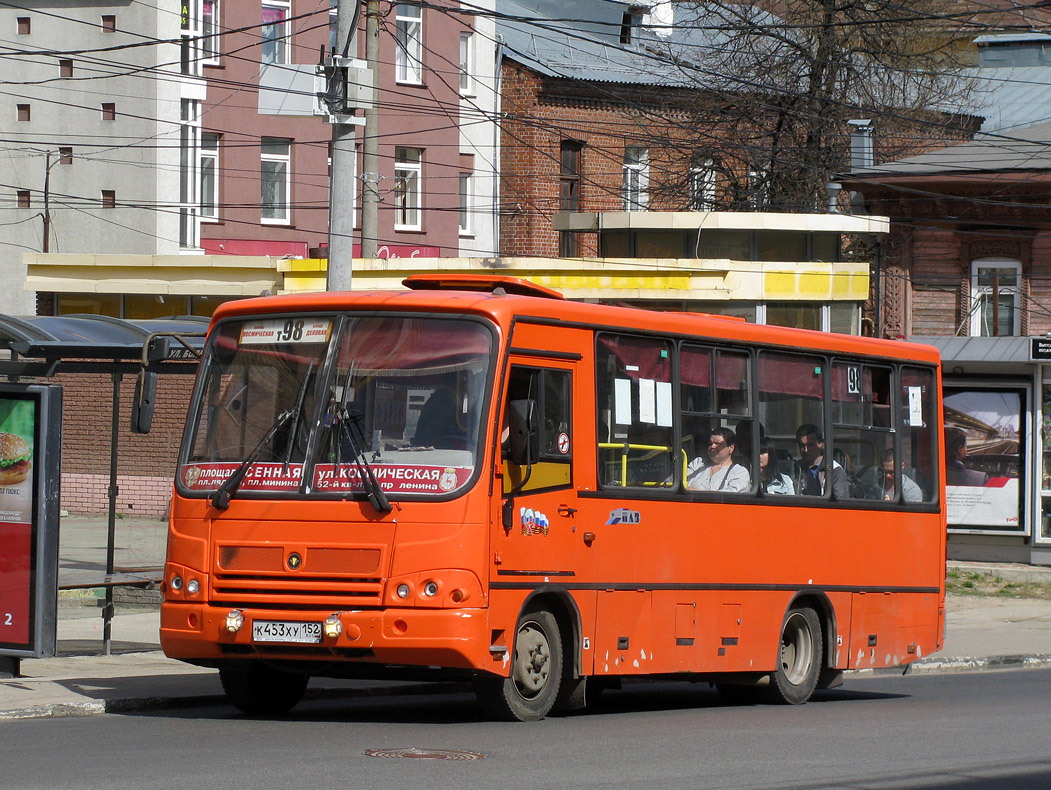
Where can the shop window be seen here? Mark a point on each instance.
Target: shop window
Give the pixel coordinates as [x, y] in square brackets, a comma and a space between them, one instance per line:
[634, 388]
[995, 297]
[802, 315]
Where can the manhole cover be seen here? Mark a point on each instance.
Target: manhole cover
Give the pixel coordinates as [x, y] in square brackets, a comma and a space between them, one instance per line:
[423, 754]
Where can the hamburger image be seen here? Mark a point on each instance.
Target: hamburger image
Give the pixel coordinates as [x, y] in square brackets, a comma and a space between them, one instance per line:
[15, 459]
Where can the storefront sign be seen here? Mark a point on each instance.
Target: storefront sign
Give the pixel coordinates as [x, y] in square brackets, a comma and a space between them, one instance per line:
[30, 442]
[983, 452]
[1039, 348]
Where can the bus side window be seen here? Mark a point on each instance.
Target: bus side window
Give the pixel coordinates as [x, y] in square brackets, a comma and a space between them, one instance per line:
[791, 396]
[919, 440]
[634, 391]
[862, 429]
[552, 392]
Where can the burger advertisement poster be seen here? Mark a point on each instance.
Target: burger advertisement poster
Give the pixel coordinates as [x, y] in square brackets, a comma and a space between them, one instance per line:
[30, 495]
[17, 418]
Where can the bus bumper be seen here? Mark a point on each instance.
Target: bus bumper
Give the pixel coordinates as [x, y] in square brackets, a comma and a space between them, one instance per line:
[453, 638]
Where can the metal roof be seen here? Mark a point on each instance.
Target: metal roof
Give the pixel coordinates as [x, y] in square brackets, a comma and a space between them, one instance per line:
[974, 350]
[1011, 98]
[92, 341]
[1020, 150]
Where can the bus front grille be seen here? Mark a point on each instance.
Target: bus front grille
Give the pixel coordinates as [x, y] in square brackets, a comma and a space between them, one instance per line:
[320, 590]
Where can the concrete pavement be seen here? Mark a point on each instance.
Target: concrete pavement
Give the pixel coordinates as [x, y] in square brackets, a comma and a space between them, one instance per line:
[982, 633]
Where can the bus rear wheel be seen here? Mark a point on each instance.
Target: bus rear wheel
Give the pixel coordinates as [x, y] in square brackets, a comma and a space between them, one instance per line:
[798, 658]
[260, 690]
[536, 672]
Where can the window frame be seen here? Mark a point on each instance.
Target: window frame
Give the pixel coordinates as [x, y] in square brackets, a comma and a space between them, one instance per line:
[209, 153]
[276, 160]
[467, 55]
[702, 185]
[211, 41]
[979, 293]
[408, 50]
[466, 204]
[408, 190]
[635, 188]
[280, 39]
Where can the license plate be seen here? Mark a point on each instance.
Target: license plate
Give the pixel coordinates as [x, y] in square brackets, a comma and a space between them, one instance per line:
[284, 631]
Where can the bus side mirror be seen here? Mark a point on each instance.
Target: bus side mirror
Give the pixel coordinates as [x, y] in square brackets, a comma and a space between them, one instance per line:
[142, 403]
[524, 432]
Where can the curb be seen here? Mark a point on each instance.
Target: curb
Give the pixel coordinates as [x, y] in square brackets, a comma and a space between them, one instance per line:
[947, 666]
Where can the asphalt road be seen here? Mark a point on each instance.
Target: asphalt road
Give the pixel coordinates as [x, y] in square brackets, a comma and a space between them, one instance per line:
[953, 732]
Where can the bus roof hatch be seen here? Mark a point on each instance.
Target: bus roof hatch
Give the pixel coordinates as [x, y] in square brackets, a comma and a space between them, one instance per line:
[478, 282]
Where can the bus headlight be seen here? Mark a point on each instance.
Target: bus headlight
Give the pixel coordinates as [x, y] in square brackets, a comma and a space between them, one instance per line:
[193, 587]
[403, 591]
[176, 583]
[430, 589]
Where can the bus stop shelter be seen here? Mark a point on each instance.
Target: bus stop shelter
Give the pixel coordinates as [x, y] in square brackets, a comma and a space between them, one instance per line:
[38, 348]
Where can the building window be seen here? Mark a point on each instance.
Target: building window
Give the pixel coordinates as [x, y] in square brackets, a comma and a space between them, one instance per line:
[209, 176]
[995, 297]
[210, 30]
[758, 187]
[24, 26]
[569, 193]
[65, 67]
[466, 199]
[109, 23]
[275, 33]
[408, 55]
[636, 178]
[24, 113]
[109, 111]
[24, 200]
[65, 154]
[189, 198]
[109, 198]
[408, 167]
[275, 179]
[702, 185]
[467, 64]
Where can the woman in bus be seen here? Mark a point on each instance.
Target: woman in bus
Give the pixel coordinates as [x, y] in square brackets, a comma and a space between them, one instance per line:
[771, 479]
[718, 472]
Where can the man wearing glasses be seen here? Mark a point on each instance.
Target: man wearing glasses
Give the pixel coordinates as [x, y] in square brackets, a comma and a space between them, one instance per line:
[811, 473]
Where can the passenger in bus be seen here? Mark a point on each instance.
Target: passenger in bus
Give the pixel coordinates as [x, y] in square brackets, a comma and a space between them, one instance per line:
[810, 472]
[910, 491]
[771, 479]
[438, 425]
[956, 474]
[718, 472]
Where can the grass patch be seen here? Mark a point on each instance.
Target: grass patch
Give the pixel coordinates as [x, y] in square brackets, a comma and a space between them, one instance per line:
[979, 584]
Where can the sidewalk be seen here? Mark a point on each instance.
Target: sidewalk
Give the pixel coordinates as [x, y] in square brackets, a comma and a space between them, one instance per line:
[982, 633]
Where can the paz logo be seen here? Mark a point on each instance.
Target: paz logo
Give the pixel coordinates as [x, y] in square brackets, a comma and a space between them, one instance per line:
[294, 561]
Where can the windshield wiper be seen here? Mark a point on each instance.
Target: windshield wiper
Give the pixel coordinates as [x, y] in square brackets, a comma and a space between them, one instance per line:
[345, 418]
[356, 438]
[220, 498]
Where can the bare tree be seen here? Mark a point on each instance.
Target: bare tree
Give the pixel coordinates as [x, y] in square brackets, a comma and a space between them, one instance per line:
[777, 82]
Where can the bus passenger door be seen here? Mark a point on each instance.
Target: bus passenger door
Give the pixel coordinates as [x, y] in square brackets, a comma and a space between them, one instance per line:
[534, 543]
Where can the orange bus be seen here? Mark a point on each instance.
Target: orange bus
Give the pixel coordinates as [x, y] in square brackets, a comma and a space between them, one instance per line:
[475, 478]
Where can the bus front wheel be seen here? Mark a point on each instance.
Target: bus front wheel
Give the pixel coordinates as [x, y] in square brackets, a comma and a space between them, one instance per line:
[536, 672]
[260, 690]
[798, 658]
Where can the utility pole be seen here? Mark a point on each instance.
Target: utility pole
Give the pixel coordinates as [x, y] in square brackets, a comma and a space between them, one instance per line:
[370, 165]
[341, 185]
[47, 205]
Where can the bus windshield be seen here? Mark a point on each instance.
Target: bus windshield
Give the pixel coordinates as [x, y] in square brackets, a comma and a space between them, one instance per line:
[321, 404]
